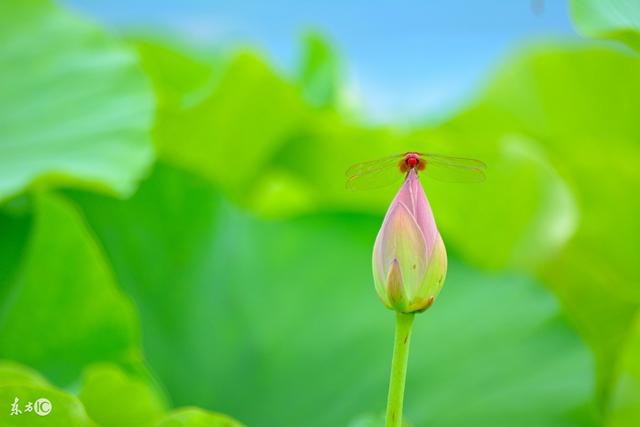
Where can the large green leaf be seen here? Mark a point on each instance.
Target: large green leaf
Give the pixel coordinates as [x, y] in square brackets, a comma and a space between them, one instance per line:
[15, 224]
[74, 106]
[587, 128]
[114, 398]
[194, 417]
[611, 19]
[12, 373]
[62, 308]
[183, 239]
[228, 126]
[179, 80]
[283, 315]
[623, 409]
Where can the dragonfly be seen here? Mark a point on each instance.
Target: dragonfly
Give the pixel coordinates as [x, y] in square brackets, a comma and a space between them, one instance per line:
[388, 170]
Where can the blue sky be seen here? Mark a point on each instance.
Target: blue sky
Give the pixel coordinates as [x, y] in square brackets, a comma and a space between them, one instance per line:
[404, 60]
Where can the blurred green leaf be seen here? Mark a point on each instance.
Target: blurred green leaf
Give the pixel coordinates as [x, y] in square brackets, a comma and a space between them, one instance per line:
[232, 129]
[20, 382]
[609, 19]
[74, 106]
[623, 409]
[115, 399]
[181, 241]
[252, 134]
[63, 309]
[239, 310]
[14, 231]
[12, 373]
[194, 417]
[587, 129]
[319, 76]
[179, 80]
[308, 171]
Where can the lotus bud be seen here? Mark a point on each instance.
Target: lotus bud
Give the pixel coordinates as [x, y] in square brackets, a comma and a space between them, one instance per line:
[409, 257]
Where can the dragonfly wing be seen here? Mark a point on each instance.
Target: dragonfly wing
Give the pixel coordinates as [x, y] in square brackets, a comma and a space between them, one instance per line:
[453, 169]
[377, 179]
[374, 174]
[373, 165]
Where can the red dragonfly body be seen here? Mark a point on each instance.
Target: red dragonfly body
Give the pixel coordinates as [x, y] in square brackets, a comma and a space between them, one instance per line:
[383, 172]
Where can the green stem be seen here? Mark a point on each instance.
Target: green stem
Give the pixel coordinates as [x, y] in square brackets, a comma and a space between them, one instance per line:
[399, 369]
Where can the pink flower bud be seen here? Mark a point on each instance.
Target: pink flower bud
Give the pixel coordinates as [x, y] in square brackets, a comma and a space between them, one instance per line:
[409, 257]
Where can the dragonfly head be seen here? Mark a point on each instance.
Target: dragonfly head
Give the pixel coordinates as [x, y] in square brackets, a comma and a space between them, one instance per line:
[411, 161]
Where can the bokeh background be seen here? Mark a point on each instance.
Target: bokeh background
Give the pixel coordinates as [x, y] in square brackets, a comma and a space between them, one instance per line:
[177, 247]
